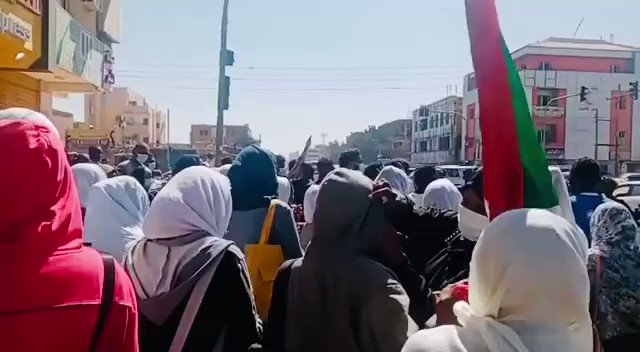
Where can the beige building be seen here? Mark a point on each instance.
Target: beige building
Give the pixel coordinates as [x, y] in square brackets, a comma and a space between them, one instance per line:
[129, 115]
[63, 121]
[204, 136]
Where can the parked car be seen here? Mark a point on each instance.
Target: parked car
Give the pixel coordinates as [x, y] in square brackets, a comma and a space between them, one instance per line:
[629, 192]
[453, 173]
[628, 177]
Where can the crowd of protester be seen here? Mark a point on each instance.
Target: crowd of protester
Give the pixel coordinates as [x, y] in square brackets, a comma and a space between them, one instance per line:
[255, 255]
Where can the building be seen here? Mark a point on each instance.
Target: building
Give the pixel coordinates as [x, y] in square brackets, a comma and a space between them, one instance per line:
[437, 132]
[237, 136]
[55, 46]
[128, 114]
[394, 139]
[557, 67]
[63, 121]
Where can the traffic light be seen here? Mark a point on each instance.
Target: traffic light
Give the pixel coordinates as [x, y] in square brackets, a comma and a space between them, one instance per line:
[583, 93]
[225, 89]
[634, 90]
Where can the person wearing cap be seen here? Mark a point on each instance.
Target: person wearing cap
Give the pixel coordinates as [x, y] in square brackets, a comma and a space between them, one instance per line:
[140, 157]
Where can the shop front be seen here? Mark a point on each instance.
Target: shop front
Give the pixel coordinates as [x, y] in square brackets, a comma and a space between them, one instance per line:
[20, 49]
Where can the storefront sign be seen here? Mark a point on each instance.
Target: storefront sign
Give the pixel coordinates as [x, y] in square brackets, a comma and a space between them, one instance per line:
[15, 27]
[77, 50]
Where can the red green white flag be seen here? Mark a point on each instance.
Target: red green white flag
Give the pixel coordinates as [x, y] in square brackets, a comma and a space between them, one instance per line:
[516, 173]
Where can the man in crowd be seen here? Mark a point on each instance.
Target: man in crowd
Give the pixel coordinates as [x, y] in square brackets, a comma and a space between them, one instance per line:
[140, 157]
[585, 182]
[350, 159]
[324, 166]
[97, 157]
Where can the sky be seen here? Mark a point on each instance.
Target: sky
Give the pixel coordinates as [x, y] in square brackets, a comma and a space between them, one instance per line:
[333, 66]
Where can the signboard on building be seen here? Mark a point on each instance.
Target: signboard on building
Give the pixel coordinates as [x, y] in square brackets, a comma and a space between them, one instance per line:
[20, 35]
[77, 50]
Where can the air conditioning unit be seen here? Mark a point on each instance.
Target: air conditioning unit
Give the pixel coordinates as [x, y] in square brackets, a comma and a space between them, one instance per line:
[93, 5]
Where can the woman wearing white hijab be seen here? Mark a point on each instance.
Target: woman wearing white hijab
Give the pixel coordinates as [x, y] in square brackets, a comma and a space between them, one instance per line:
[184, 241]
[309, 209]
[528, 291]
[396, 178]
[442, 194]
[115, 211]
[86, 175]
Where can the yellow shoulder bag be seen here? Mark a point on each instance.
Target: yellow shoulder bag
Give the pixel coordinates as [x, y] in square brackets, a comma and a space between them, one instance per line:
[263, 262]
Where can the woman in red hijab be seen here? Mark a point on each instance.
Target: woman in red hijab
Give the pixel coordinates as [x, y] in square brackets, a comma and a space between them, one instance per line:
[52, 286]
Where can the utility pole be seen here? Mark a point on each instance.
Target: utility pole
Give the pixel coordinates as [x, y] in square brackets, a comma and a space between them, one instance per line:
[168, 138]
[224, 82]
[595, 157]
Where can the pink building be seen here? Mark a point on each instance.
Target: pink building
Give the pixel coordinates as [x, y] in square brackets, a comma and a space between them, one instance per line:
[557, 67]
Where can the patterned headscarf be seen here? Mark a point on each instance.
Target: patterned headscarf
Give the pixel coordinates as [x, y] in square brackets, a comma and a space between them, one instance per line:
[613, 228]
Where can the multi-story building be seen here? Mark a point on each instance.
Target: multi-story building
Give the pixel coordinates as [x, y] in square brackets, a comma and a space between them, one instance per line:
[55, 46]
[128, 114]
[437, 132]
[557, 67]
[204, 136]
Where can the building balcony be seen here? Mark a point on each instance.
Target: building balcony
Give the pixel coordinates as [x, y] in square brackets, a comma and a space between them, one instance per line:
[551, 111]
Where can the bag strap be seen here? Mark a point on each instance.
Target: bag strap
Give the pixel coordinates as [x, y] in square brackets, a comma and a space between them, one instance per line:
[193, 306]
[597, 285]
[265, 235]
[106, 303]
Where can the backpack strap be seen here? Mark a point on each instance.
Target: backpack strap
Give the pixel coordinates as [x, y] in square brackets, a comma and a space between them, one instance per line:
[106, 303]
[193, 306]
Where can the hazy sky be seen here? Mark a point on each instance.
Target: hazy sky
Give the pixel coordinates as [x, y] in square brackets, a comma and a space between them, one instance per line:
[333, 66]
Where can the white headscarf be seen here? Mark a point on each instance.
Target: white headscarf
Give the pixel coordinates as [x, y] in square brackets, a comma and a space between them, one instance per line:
[560, 185]
[284, 189]
[196, 200]
[529, 288]
[442, 194]
[115, 212]
[86, 175]
[35, 117]
[396, 178]
[310, 202]
[224, 169]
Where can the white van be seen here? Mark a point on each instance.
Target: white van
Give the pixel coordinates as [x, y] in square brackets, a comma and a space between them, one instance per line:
[453, 173]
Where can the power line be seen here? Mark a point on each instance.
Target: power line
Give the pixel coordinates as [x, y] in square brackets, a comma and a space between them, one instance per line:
[297, 80]
[351, 68]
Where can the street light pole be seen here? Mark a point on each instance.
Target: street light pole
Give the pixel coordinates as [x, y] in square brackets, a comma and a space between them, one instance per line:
[222, 83]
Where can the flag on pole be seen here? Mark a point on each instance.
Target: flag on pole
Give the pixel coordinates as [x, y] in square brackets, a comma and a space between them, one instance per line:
[516, 174]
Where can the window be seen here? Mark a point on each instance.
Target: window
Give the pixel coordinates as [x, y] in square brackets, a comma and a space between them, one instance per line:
[545, 66]
[424, 124]
[446, 119]
[615, 68]
[157, 125]
[445, 143]
[543, 100]
[423, 146]
[622, 103]
[415, 128]
[397, 145]
[442, 120]
[523, 67]
[65, 4]
[145, 121]
[204, 133]
[550, 134]
[540, 134]
[635, 191]
[437, 120]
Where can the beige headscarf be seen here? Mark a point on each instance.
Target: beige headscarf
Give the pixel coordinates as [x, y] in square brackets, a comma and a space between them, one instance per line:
[529, 290]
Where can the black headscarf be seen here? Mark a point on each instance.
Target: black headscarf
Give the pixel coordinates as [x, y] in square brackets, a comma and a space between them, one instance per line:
[253, 179]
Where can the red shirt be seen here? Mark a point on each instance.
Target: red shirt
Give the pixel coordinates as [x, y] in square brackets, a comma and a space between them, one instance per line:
[51, 284]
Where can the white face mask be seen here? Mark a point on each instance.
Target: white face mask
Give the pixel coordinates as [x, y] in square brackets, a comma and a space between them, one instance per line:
[471, 224]
[142, 158]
